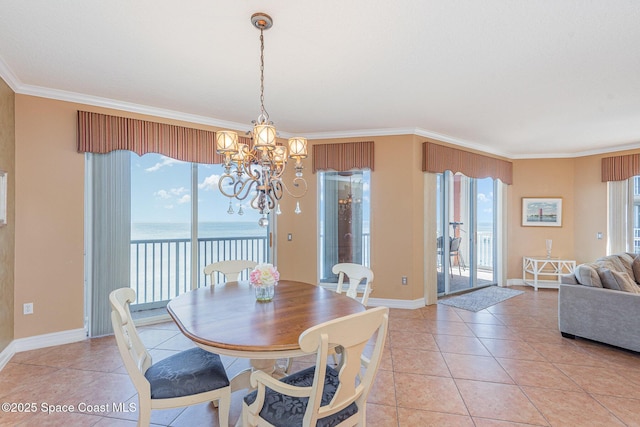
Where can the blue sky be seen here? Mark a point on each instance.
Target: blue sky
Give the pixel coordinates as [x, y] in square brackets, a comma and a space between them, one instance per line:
[161, 192]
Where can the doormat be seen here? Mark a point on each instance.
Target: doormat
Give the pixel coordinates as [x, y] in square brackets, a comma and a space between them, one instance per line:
[481, 299]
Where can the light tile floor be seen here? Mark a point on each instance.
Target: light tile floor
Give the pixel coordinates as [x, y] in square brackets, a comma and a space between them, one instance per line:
[506, 365]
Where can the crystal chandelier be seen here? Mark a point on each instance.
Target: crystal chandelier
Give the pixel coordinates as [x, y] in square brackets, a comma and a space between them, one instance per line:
[258, 170]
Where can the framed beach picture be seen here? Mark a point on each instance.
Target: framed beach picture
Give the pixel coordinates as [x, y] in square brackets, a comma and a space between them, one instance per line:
[539, 212]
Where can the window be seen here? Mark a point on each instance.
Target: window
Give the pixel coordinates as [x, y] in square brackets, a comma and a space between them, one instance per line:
[344, 213]
[141, 212]
[636, 214]
[167, 197]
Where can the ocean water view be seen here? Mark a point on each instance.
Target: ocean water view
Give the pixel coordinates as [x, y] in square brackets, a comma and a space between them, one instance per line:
[157, 230]
[161, 255]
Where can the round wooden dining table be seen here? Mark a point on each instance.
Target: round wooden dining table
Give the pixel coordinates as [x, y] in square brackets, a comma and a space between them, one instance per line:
[226, 319]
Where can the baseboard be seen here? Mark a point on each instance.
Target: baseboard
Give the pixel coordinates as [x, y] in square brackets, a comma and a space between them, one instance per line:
[396, 303]
[515, 282]
[40, 341]
[7, 354]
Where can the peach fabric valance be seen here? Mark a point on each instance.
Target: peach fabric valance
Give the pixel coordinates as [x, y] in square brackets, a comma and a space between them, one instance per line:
[439, 158]
[101, 133]
[343, 157]
[619, 168]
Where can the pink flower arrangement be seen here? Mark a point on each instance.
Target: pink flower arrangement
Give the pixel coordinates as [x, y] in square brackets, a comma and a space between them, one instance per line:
[264, 275]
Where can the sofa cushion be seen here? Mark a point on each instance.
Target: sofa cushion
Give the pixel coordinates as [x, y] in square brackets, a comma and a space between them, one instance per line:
[626, 282]
[612, 262]
[587, 275]
[607, 278]
[627, 262]
[618, 281]
[635, 266]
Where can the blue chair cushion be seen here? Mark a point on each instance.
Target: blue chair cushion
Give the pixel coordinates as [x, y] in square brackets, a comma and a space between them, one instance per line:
[282, 410]
[189, 372]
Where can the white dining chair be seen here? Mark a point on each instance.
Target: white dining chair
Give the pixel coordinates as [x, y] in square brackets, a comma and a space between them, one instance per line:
[356, 273]
[231, 269]
[322, 395]
[187, 378]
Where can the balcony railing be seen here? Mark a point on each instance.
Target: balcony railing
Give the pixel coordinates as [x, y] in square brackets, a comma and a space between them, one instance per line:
[161, 268]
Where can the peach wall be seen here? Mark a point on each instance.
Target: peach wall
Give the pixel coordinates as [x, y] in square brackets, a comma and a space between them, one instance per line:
[540, 178]
[49, 212]
[590, 210]
[396, 222]
[591, 207]
[49, 204]
[49, 265]
[7, 232]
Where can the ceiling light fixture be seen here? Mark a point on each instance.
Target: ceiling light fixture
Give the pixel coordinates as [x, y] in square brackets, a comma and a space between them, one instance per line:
[259, 169]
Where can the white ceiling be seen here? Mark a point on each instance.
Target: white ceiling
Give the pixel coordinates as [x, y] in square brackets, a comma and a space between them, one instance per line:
[523, 79]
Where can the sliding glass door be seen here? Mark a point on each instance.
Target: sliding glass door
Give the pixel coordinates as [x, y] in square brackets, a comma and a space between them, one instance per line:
[466, 226]
[180, 222]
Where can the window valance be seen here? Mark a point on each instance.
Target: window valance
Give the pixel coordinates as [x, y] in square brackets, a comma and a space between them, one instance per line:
[439, 158]
[620, 168]
[343, 157]
[101, 133]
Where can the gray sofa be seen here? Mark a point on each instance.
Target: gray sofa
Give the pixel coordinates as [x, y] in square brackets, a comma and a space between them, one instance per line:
[597, 302]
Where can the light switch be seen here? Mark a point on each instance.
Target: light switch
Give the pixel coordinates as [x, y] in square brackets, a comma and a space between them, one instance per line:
[289, 237]
[599, 235]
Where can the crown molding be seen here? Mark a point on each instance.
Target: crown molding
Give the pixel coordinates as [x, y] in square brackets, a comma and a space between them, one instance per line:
[20, 88]
[9, 77]
[96, 101]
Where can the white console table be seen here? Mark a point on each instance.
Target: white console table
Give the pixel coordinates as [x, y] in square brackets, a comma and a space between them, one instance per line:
[534, 267]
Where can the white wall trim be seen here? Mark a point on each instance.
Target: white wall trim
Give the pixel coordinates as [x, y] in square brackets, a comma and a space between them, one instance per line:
[61, 95]
[41, 341]
[515, 282]
[49, 340]
[384, 302]
[7, 354]
[396, 303]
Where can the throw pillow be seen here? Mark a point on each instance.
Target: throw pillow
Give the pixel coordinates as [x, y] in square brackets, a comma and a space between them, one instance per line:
[636, 268]
[626, 283]
[608, 279]
[588, 276]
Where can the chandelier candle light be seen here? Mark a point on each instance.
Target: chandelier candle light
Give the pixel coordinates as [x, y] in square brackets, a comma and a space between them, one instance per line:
[259, 169]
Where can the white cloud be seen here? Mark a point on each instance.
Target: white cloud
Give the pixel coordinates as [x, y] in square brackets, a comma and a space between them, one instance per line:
[184, 199]
[210, 182]
[166, 161]
[167, 194]
[483, 197]
[162, 194]
[178, 191]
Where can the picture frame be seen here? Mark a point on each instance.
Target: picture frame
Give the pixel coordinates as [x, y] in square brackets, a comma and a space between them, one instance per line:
[3, 198]
[542, 212]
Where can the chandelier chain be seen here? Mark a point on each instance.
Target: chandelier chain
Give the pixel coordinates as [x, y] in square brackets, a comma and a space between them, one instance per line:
[259, 169]
[264, 115]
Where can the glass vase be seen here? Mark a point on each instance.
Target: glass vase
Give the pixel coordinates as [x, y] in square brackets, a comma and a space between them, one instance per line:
[264, 293]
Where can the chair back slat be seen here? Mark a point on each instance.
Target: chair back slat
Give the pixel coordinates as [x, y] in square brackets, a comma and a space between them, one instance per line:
[231, 269]
[352, 333]
[357, 274]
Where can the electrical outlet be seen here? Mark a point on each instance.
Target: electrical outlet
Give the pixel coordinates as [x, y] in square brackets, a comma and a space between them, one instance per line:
[404, 280]
[27, 308]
